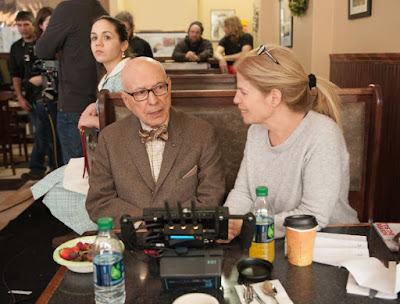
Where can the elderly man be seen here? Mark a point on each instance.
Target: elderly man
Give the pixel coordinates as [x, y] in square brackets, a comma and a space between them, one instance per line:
[194, 47]
[158, 154]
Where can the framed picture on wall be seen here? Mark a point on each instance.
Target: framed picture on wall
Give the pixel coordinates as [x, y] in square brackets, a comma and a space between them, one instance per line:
[217, 23]
[359, 8]
[286, 24]
[162, 43]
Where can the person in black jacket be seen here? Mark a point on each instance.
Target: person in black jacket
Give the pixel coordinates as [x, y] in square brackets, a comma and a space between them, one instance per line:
[194, 47]
[22, 70]
[138, 46]
[68, 32]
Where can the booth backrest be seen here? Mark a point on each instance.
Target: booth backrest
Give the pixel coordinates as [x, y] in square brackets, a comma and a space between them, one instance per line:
[203, 82]
[361, 114]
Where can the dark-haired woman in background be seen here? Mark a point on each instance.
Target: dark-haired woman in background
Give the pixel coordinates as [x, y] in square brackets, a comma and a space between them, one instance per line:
[234, 45]
[65, 189]
[42, 20]
[109, 44]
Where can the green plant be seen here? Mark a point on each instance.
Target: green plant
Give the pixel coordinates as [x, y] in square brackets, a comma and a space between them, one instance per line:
[298, 7]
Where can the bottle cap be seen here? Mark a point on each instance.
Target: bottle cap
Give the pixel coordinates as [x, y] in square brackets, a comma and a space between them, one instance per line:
[105, 223]
[262, 191]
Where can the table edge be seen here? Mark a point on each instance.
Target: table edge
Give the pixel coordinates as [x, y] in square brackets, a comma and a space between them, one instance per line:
[52, 286]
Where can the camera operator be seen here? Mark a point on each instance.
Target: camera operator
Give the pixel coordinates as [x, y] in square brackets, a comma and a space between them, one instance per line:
[22, 69]
[21, 61]
[68, 32]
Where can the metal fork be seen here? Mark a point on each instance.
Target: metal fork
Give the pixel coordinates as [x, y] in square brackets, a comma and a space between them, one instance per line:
[247, 293]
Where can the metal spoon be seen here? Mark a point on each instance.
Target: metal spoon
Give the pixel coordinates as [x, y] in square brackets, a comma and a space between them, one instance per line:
[270, 290]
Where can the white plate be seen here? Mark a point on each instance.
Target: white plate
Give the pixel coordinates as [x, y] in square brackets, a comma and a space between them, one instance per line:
[81, 267]
[196, 298]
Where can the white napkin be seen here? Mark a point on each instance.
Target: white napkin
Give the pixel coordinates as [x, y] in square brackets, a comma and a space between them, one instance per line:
[370, 273]
[282, 297]
[333, 248]
[73, 180]
[353, 288]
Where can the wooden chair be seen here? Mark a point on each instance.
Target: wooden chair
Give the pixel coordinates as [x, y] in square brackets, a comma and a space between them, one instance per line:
[362, 126]
[362, 121]
[5, 131]
[18, 131]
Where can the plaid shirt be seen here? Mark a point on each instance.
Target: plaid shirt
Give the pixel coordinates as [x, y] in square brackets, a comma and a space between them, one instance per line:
[155, 150]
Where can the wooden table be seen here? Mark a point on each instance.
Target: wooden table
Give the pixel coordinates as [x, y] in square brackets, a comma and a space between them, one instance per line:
[316, 283]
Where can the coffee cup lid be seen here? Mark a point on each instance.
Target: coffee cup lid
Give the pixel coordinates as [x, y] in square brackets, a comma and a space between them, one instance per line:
[254, 270]
[302, 221]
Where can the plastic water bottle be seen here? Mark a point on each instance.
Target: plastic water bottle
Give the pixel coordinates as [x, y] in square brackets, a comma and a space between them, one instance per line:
[263, 245]
[108, 265]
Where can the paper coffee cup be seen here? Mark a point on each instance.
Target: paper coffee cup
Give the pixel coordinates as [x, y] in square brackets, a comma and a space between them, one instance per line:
[300, 237]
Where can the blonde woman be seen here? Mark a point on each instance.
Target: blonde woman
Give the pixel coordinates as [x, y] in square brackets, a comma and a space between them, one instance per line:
[234, 45]
[295, 144]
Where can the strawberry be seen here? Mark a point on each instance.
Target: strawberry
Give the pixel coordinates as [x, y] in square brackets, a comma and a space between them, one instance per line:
[65, 253]
[75, 248]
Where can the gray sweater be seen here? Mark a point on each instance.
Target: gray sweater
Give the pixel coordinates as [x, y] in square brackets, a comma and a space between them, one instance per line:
[307, 174]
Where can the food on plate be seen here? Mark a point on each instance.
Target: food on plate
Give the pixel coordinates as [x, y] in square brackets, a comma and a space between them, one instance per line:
[81, 252]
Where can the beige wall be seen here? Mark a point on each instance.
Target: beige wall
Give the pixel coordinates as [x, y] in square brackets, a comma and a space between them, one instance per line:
[243, 9]
[326, 29]
[378, 33]
[156, 15]
[269, 22]
[176, 15]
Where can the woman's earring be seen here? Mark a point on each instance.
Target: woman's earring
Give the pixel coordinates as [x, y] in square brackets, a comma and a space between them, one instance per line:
[123, 54]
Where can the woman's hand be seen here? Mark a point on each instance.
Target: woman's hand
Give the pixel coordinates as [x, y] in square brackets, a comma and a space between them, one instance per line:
[89, 117]
[223, 66]
[234, 228]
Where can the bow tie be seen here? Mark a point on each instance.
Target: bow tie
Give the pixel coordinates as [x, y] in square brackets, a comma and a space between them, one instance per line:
[160, 133]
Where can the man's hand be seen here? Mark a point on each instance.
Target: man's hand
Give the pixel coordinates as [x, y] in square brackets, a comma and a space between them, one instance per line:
[191, 56]
[223, 66]
[89, 117]
[24, 104]
[234, 228]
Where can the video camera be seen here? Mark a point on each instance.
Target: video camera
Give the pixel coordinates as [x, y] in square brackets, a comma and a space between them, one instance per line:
[185, 241]
[48, 69]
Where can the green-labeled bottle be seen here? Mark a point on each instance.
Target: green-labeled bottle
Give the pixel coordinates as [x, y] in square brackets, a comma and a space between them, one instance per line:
[108, 265]
[263, 245]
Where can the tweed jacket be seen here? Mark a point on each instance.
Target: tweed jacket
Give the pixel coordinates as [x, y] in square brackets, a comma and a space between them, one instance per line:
[121, 181]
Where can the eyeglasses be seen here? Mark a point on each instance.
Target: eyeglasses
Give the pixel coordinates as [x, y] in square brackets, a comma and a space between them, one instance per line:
[261, 49]
[141, 95]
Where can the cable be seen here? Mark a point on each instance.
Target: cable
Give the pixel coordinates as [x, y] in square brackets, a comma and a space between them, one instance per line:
[1, 211]
[54, 140]
[52, 131]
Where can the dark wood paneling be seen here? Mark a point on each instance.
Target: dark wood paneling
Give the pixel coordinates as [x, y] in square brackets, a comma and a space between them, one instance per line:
[360, 70]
